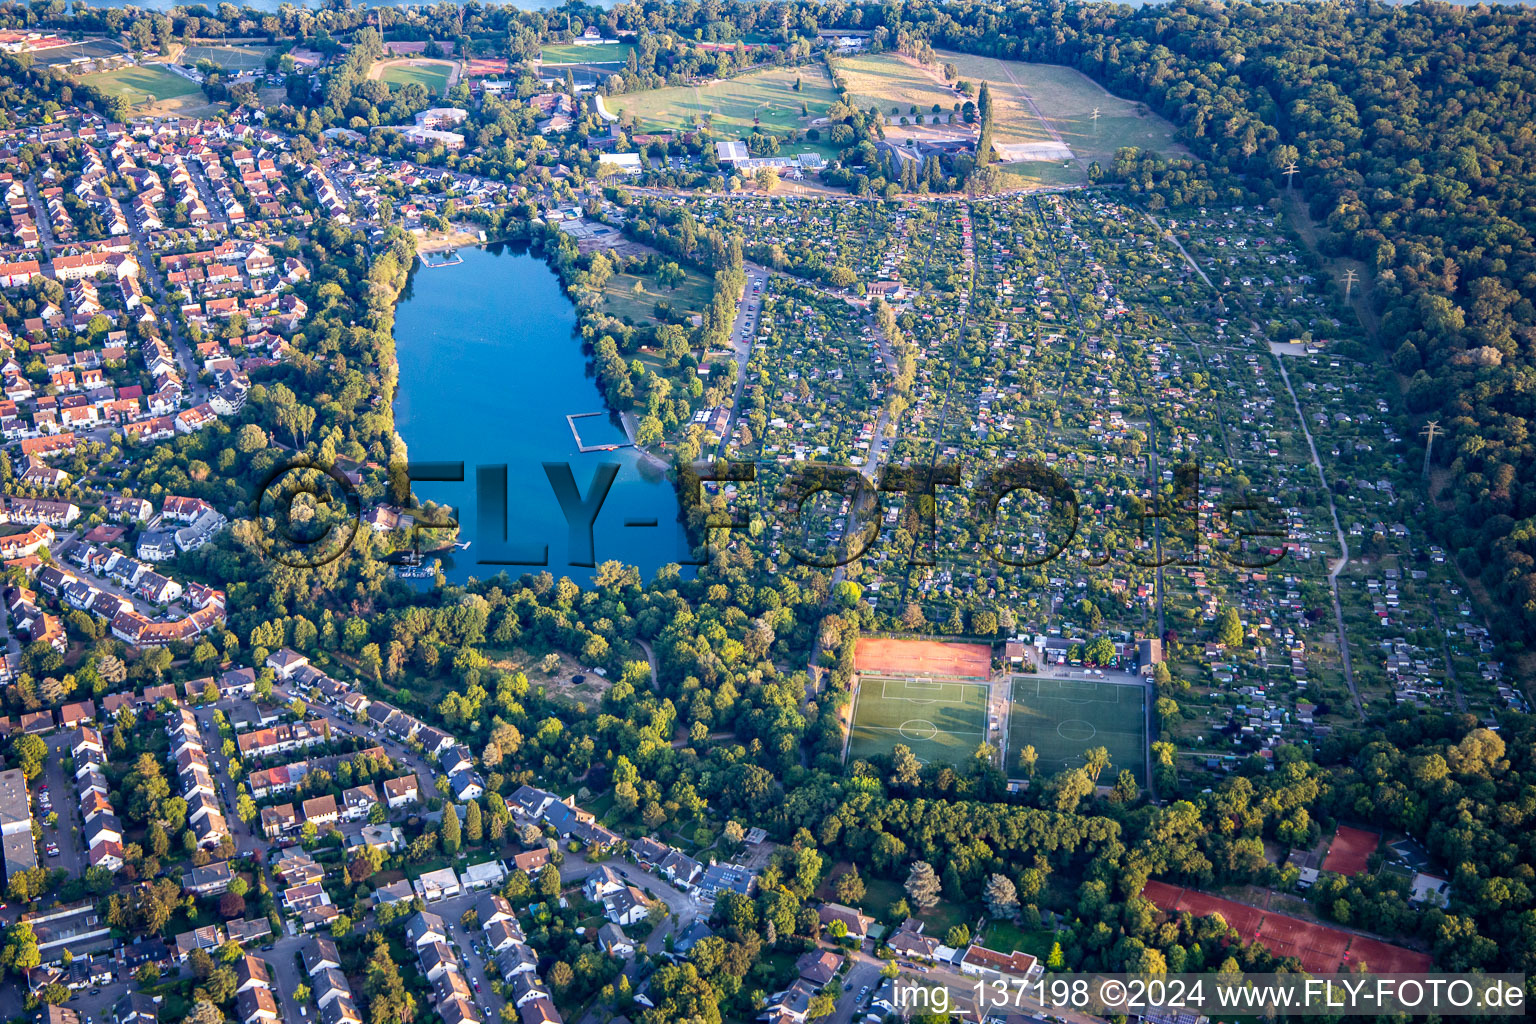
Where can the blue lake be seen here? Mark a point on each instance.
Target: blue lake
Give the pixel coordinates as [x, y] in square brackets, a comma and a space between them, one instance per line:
[489, 371]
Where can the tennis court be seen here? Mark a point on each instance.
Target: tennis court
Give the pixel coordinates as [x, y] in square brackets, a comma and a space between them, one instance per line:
[1322, 949]
[899, 657]
[1063, 718]
[941, 720]
[1350, 852]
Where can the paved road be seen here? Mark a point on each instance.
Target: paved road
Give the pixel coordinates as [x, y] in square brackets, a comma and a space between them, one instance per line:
[426, 775]
[451, 910]
[206, 193]
[194, 391]
[685, 908]
[246, 839]
[743, 329]
[61, 790]
[65, 543]
[40, 214]
[864, 971]
[650, 656]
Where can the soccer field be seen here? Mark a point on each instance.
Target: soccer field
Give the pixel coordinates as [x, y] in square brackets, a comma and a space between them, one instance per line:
[1062, 718]
[230, 58]
[431, 75]
[940, 720]
[600, 53]
[141, 84]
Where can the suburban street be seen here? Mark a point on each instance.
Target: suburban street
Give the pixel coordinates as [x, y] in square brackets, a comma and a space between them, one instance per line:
[863, 971]
[194, 391]
[61, 790]
[44, 225]
[425, 773]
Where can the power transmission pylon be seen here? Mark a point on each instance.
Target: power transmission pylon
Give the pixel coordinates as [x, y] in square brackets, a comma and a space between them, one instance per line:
[1429, 433]
[1350, 277]
[1290, 174]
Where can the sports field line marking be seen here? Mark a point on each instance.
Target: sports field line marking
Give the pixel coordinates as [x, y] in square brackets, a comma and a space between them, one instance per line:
[885, 694]
[897, 728]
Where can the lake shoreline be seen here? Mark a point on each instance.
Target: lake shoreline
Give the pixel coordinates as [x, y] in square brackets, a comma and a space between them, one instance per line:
[489, 366]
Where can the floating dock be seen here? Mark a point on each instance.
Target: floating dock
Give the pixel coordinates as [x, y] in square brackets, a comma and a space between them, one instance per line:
[451, 259]
[582, 446]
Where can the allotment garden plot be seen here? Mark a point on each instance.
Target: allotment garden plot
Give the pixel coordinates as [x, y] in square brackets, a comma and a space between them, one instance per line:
[1063, 718]
[940, 720]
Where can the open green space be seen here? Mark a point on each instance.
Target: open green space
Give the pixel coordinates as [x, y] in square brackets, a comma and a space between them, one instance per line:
[1006, 937]
[430, 75]
[766, 99]
[231, 58]
[942, 721]
[141, 84]
[886, 80]
[1066, 99]
[601, 53]
[1063, 718]
[621, 299]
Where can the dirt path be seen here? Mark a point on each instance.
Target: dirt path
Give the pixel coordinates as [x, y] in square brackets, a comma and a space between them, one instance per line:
[1317, 463]
[1362, 297]
[1343, 560]
[1362, 302]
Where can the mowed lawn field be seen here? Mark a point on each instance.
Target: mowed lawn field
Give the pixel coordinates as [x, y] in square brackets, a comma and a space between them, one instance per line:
[602, 53]
[142, 84]
[431, 75]
[621, 300]
[231, 58]
[886, 80]
[767, 98]
[1063, 718]
[941, 720]
[1066, 98]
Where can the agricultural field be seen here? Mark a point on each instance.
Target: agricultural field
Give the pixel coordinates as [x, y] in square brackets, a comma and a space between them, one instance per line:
[149, 87]
[432, 75]
[940, 720]
[230, 58]
[1063, 718]
[766, 99]
[603, 53]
